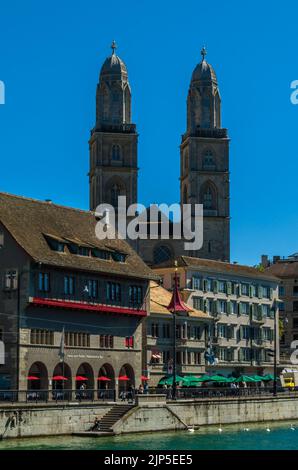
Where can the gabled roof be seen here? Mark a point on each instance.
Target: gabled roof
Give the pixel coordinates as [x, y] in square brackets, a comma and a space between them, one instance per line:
[160, 299]
[219, 267]
[30, 221]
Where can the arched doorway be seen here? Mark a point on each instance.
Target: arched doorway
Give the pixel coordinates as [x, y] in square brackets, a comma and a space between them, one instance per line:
[126, 379]
[84, 381]
[62, 382]
[37, 382]
[106, 382]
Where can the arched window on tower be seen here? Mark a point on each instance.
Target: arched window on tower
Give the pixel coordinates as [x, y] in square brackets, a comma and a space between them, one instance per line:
[209, 198]
[116, 152]
[208, 160]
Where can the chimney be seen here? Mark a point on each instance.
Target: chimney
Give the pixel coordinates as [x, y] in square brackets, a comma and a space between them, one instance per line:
[265, 261]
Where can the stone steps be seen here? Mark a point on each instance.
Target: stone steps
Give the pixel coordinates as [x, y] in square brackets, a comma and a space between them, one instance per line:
[112, 416]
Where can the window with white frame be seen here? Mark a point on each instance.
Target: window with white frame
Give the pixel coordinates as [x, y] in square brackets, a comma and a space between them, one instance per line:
[222, 286]
[245, 289]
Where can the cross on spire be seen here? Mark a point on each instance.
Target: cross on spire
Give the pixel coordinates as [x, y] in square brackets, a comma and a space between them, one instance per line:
[114, 46]
[203, 52]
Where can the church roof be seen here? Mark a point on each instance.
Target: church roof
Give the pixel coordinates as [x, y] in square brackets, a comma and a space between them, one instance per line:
[114, 66]
[32, 222]
[204, 71]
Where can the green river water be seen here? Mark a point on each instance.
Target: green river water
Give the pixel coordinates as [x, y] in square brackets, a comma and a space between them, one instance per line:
[280, 437]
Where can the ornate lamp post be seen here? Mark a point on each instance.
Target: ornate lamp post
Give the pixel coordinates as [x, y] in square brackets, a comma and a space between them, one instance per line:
[176, 306]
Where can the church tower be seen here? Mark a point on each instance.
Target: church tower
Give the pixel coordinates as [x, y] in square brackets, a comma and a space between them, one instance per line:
[113, 142]
[204, 162]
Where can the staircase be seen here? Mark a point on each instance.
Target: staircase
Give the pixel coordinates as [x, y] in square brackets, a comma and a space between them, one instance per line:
[112, 416]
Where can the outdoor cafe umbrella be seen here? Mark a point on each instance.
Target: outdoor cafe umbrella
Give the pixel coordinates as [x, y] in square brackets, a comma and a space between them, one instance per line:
[267, 377]
[220, 378]
[169, 380]
[103, 378]
[123, 377]
[247, 378]
[59, 377]
[33, 377]
[80, 378]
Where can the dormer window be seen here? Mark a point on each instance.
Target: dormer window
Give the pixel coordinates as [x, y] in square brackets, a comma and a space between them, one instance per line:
[56, 243]
[101, 254]
[119, 257]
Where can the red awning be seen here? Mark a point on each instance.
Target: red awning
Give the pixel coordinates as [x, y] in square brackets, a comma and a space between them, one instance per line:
[103, 378]
[123, 377]
[32, 377]
[80, 378]
[59, 377]
[143, 377]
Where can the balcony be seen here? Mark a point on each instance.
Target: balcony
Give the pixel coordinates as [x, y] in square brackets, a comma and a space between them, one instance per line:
[257, 343]
[215, 133]
[121, 128]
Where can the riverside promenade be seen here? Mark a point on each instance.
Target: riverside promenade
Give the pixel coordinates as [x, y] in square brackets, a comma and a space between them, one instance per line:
[147, 413]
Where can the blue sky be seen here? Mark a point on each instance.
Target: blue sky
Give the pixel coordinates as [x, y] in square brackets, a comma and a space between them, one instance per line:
[50, 58]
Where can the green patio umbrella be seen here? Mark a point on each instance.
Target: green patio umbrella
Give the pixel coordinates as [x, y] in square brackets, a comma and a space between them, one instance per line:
[247, 378]
[220, 378]
[267, 377]
[169, 380]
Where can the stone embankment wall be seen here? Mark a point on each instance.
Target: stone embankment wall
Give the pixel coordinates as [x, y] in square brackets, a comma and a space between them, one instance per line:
[34, 420]
[148, 415]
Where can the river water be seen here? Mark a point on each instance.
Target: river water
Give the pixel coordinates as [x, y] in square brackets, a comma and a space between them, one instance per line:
[256, 436]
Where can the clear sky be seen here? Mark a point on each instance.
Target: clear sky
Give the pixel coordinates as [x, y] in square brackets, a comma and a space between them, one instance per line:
[50, 57]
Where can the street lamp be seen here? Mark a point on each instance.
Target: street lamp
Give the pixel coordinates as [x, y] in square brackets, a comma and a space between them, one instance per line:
[176, 306]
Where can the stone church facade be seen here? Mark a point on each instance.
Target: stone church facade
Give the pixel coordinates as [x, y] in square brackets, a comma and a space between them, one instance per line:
[204, 158]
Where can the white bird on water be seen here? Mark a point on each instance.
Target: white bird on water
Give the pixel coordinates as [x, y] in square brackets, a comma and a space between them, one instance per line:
[220, 428]
[191, 429]
[246, 429]
[268, 429]
[292, 427]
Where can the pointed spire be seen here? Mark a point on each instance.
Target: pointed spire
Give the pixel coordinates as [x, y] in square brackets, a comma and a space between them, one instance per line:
[203, 52]
[113, 46]
[177, 304]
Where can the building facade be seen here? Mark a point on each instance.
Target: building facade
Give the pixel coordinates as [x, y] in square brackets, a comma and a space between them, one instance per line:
[71, 305]
[286, 269]
[243, 304]
[191, 338]
[204, 159]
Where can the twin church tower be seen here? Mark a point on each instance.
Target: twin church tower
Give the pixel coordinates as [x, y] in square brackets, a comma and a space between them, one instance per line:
[204, 158]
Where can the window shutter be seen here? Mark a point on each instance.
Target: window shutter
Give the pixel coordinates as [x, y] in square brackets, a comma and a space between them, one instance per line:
[260, 312]
[271, 293]
[250, 291]
[260, 293]
[205, 285]
[229, 308]
[229, 288]
[215, 286]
